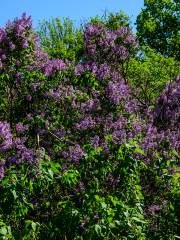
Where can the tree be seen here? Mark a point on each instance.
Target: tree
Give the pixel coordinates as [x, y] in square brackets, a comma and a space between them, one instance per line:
[60, 39]
[157, 26]
[149, 73]
[111, 20]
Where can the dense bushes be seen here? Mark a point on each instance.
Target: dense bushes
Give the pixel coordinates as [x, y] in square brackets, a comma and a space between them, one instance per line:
[79, 157]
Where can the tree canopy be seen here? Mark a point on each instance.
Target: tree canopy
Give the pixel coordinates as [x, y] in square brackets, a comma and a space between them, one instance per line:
[158, 26]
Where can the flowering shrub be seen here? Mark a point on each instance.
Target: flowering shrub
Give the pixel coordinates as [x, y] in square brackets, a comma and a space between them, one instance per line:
[78, 158]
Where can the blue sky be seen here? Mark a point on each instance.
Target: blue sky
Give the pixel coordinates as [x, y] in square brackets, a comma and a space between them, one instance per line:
[77, 10]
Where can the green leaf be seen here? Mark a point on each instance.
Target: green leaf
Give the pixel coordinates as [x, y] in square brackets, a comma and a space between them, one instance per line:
[98, 229]
[14, 194]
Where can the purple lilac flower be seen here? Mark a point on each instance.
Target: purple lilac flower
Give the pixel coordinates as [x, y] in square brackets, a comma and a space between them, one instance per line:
[95, 141]
[18, 77]
[25, 155]
[12, 46]
[76, 153]
[29, 116]
[122, 31]
[90, 105]
[3, 57]
[154, 209]
[52, 66]
[120, 52]
[28, 98]
[20, 128]
[6, 138]
[79, 188]
[11, 160]
[104, 146]
[116, 92]
[35, 86]
[103, 71]
[3, 35]
[62, 92]
[25, 44]
[93, 67]
[79, 69]
[18, 63]
[119, 136]
[167, 107]
[130, 39]
[1, 169]
[138, 126]
[19, 25]
[86, 123]
[65, 154]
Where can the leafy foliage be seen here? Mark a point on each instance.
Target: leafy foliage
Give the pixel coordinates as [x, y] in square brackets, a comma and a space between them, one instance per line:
[148, 73]
[60, 39]
[158, 26]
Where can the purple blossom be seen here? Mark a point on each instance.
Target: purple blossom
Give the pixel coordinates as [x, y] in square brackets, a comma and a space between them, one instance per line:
[122, 31]
[35, 86]
[20, 25]
[3, 57]
[120, 52]
[18, 63]
[103, 71]
[52, 66]
[116, 92]
[25, 44]
[25, 154]
[29, 117]
[104, 146]
[6, 138]
[3, 35]
[90, 105]
[12, 46]
[119, 136]
[95, 141]
[20, 128]
[79, 69]
[28, 98]
[130, 39]
[76, 153]
[86, 123]
[1, 169]
[154, 209]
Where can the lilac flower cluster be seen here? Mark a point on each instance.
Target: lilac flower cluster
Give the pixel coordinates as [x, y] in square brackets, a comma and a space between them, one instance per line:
[95, 141]
[25, 154]
[101, 44]
[74, 153]
[2, 169]
[6, 139]
[46, 65]
[163, 123]
[90, 105]
[52, 66]
[14, 36]
[167, 107]
[20, 128]
[101, 71]
[87, 123]
[117, 92]
[13, 149]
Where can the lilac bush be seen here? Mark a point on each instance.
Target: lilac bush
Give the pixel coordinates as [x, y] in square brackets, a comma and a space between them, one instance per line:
[95, 164]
